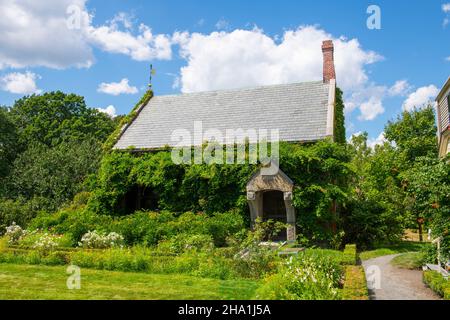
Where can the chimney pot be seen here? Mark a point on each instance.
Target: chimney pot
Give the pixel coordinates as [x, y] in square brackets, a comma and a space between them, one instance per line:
[328, 61]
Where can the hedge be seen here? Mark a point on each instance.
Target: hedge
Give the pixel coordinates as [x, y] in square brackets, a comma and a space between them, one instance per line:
[350, 254]
[437, 283]
[355, 286]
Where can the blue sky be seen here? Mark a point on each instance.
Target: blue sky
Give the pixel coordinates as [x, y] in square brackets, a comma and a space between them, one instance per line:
[203, 45]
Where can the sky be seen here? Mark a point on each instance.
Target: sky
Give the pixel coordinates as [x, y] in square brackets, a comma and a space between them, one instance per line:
[391, 57]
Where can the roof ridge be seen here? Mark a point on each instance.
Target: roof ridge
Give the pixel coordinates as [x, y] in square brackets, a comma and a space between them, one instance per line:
[240, 89]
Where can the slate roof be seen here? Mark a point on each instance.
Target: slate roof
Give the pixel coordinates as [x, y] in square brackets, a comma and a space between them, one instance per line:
[298, 110]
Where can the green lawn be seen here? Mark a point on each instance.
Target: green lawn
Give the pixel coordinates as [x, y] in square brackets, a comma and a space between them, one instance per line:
[44, 282]
[410, 260]
[384, 250]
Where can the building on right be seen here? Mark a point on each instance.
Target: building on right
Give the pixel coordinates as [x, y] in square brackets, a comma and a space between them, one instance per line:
[443, 121]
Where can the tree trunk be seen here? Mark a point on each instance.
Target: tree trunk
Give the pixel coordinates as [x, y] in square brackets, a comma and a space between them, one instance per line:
[420, 232]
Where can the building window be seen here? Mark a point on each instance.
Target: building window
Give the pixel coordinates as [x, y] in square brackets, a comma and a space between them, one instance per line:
[448, 103]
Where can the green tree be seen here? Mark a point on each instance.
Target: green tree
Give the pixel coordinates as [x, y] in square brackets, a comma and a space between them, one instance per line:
[414, 134]
[373, 207]
[55, 117]
[53, 175]
[427, 185]
[8, 145]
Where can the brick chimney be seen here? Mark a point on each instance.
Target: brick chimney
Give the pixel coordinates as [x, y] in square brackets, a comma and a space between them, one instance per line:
[328, 61]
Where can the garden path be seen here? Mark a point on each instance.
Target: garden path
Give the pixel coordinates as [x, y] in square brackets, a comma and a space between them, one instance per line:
[395, 283]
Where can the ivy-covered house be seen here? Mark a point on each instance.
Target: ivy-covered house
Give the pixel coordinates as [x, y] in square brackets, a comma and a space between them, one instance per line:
[309, 120]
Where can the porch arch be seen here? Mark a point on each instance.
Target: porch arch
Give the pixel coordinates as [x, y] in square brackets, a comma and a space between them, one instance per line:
[261, 183]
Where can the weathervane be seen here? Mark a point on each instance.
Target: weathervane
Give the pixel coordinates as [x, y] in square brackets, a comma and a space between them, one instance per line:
[152, 72]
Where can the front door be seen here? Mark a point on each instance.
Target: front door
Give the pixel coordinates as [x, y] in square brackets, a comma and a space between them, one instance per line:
[274, 209]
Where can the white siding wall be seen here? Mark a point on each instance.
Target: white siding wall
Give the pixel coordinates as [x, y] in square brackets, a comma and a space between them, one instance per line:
[443, 112]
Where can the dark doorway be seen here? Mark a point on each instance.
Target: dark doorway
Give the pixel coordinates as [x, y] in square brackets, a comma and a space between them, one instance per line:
[138, 198]
[275, 209]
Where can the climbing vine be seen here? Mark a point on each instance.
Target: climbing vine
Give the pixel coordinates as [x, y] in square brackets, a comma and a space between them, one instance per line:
[319, 172]
[339, 118]
[114, 137]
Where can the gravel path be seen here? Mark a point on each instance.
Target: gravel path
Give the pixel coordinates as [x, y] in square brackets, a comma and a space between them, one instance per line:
[395, 283]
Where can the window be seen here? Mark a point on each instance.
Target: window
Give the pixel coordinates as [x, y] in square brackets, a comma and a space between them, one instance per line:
[448, 103]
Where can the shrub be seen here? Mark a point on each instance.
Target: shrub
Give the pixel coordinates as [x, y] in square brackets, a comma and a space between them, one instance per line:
[303, 278]
[355, 285]
[45, 244]
[73, 222]
[34, 236]
[338, 257]
[15, 211]
[21, 256]
[437, 283]
[186, 242]
[14, 233]
[95, 240]
[350, 254]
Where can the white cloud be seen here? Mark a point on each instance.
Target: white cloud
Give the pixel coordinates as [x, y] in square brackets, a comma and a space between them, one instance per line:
[35, 33]
[377, 141]
[20, 83]
[60, 34]
[369, 99]
[122, 18]
[222, 24]
[109, 110]
[143, 47]
[447, 59]
[116, 88]
[371, 108]
[420, 97]
[400, 88]
[446, 7]
[241, 58]
[200, 22]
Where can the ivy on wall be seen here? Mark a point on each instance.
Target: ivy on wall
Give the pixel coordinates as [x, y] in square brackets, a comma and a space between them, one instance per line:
[126, 121]
[319, 172]
[339, 118]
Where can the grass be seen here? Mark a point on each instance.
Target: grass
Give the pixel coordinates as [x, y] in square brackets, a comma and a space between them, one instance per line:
[437, 283]
[355, 286]
[410, 260]
[46, 282]
[384, 250]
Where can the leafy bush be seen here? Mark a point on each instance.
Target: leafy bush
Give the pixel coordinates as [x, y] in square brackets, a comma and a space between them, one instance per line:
[139, 259]
[18, 211]
[437, 283]
[355, 285]
[303, 278]
[14, 233]
[32, 237]
[350, 254]
[21, 256]
[148, 228]
[95, 240]
[45, 243]
[186, 242]
[72, 222]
